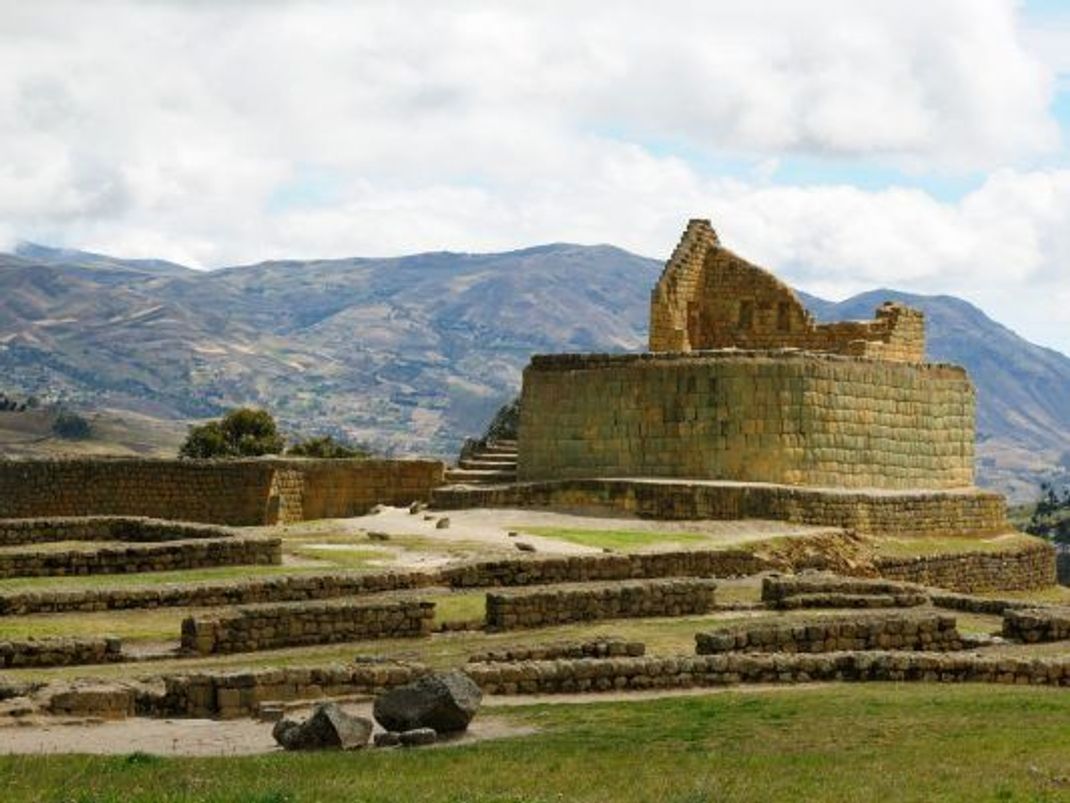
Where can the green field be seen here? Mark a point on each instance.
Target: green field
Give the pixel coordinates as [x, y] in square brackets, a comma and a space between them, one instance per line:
[831, 743]
[623, 540]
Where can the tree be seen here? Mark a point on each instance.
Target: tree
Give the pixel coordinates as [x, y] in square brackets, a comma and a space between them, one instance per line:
[71, 426]
[1051, 516]
[505, 424]
[244, 432]
[326, 447]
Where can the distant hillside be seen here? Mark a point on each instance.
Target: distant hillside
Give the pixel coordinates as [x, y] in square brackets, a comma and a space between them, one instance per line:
[416, 352]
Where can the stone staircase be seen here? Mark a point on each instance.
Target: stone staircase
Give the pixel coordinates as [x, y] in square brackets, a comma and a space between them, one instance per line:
[492, 463]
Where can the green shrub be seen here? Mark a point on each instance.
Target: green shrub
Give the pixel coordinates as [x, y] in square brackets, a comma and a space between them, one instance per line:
[71, 426]
[244, 432]
[328, 448]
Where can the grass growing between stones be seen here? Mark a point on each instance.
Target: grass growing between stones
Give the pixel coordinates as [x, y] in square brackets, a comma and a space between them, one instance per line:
[624, 540]
[830, 743]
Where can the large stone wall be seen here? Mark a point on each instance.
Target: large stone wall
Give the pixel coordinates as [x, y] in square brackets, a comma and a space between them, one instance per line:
[169, 556]
[910, 513]
[833, 591]
[1028, 567]
[238, 492]
[545, 608]
[772, 417]
[887, 632]
[267, 627]
[709, 298]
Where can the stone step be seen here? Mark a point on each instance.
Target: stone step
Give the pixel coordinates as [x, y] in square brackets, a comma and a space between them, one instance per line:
[488, 462]
[471, 476]
[500, 447]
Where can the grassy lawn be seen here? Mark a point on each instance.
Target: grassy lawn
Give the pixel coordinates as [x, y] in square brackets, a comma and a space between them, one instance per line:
[182, 577]
[832, 743]
[623, 540]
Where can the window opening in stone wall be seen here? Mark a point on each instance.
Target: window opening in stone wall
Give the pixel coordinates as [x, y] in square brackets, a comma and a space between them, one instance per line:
[783, 317]
[746, 314]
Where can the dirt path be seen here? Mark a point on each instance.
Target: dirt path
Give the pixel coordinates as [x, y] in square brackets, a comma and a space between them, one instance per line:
[195, 737]
[492, 527]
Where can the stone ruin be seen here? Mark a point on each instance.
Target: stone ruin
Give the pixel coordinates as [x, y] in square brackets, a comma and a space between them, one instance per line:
[741, 384]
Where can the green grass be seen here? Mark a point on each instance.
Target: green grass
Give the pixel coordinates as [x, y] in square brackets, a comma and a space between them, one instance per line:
[623, 540]
[908, 547]
[833, 743]
[348, 558]
[459, 606]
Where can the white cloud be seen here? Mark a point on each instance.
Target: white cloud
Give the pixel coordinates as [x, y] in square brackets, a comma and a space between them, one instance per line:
[218, 133]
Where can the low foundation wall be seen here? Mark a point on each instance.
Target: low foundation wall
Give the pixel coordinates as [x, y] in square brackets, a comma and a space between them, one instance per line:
[913, 513]
[134, 529]
[237, 492]
[1032, 625]
[171, 556]
[1028, 567]
[891, 632]
[599, 648]
[523, 609]
[619, 674]
[268, 627]
[833, 591]
[599, 568]
[59, 652]
[296, 588]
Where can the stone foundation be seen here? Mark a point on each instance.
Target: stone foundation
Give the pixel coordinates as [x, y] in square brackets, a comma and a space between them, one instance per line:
[268, 627]
[908, 513]
[170, 556]
[237, 492]
[599, 648]
[19, 532]
[1025, 568]
[889, 632]
[59, 652]
[1037, 624]
[296, 588]
[832, 591]
[702, 671]
[526, 609]
[602, 568]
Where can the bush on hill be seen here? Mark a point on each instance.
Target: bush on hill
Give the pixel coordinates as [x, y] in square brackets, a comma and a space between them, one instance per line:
[244, 432]
[1051, 517]
[71, 426]
[328, 448]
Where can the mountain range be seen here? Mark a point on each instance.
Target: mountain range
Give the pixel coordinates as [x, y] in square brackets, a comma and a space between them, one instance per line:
[414, 353]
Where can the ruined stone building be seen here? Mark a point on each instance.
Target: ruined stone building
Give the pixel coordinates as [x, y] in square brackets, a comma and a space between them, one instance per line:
[741, 384]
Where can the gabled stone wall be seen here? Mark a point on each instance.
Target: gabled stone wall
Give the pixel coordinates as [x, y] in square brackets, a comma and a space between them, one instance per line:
[709, 298]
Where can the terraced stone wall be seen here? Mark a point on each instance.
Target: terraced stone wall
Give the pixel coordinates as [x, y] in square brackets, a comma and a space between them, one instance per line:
[544, 608]
[237, 492]
[912, 513]
[890, 632]
[1029, 567]
[59, 652]
[18, 532]
[676, 672]
[775, 417]
[1032, 625]
[169, 556]
[267, 627]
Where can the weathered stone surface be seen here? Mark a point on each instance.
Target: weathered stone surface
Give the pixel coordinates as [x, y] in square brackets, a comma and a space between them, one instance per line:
[445, 702]
[328, 728]
[418, 737]
[240, 492]
[387, 739]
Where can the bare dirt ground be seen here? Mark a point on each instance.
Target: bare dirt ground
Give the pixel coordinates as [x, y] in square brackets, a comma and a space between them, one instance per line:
[197, 737]
[492, 527]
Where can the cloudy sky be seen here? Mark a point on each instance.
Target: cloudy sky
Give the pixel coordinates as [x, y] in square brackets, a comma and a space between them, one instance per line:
[847, 144]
